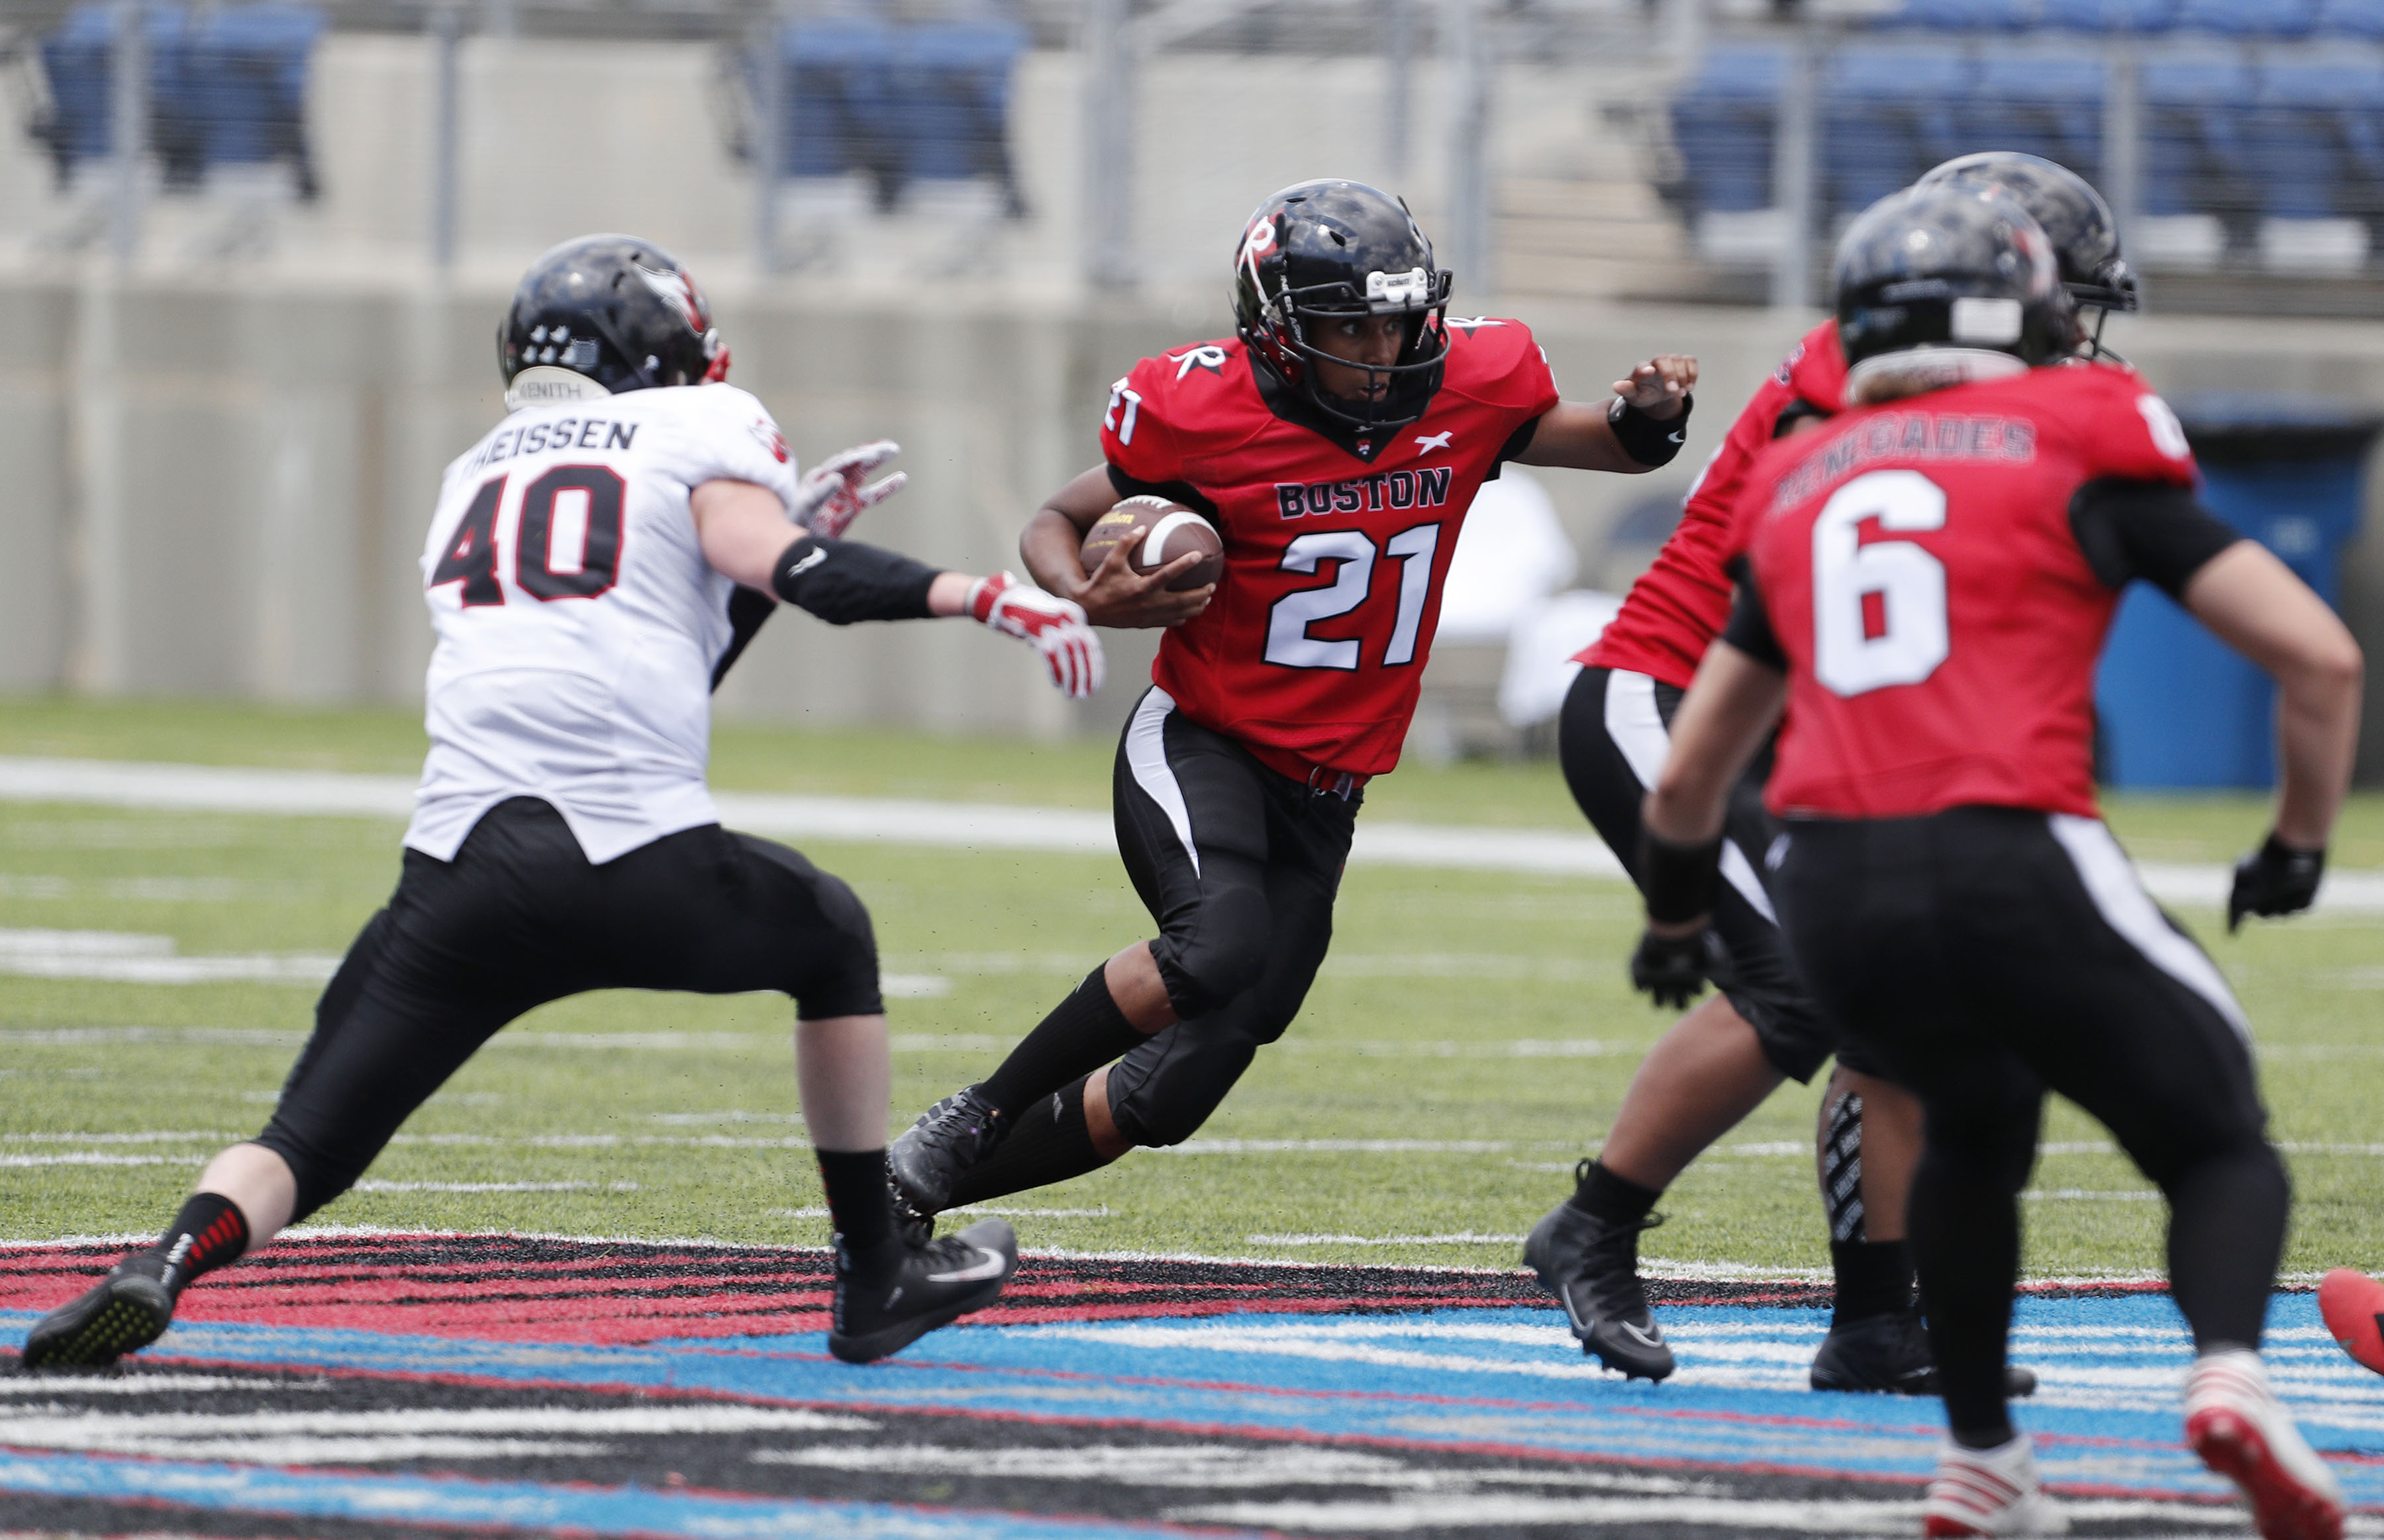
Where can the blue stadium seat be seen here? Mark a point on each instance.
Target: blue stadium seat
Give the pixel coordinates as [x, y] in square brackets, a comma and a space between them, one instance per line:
[1722, 124]
[2110, 16]
[839, 114]
[2041, 104]
[2248, 18]
[1887, 114]
[951, 98]
[244, 78]
[1966, 15]
[2198, 155]
[2353, 18]
[2316, 140]
[78, 59]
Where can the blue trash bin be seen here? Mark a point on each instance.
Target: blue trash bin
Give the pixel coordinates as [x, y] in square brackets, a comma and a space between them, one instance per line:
[2175, 707]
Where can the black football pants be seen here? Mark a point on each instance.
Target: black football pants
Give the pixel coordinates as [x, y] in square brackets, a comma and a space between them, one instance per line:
[1612, 738]
[1988, 955]
[521, 917]
[1240, 865]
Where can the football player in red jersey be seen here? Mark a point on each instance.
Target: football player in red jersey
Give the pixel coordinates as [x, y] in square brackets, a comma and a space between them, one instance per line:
[1721, 1061]
[1927, 584]
[1336, 442]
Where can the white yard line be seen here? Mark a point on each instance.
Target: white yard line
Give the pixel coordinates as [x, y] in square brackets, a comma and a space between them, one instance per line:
[904, 821]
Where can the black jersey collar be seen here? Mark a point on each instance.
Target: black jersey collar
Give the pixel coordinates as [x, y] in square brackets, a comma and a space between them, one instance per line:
[1288, 405]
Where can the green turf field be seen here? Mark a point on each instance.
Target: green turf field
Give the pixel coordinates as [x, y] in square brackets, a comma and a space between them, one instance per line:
[1480, 1010]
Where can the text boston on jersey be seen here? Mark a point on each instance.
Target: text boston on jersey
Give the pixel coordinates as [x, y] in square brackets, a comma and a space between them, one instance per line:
[1398, 488]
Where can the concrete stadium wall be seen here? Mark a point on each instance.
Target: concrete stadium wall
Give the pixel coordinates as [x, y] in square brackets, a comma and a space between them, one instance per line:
[222, 489]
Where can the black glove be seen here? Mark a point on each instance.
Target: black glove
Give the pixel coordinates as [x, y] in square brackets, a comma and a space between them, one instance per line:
[1674, 968]
[2274, 879]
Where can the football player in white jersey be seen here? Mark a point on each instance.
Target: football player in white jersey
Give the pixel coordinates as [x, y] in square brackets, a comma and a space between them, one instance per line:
[594, 565]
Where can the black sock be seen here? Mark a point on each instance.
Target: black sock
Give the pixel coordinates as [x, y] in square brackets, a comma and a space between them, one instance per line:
[1083, 1032]
[1874, 1278]
[209, 1233]
[858, 1203]
[1609, 1197]
[1049, 1144]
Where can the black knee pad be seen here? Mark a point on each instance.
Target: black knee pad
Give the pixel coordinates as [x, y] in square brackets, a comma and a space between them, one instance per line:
[842, 980]
[1163, 1091]
[1220, 953]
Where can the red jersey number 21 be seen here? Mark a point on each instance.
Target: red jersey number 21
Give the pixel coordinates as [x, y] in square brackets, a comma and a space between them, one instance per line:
[1879, 608]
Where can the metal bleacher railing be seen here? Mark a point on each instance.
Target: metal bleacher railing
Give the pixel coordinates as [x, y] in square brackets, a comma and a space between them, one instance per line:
[2238, 137]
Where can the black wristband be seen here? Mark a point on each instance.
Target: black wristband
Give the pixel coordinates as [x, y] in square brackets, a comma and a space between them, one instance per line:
[1681, 881]
[1644, 437]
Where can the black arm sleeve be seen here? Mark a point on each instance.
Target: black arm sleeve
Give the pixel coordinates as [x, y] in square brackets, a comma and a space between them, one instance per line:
[842, 581]
[1750, 625]
[2150, 529]
[1175, 491]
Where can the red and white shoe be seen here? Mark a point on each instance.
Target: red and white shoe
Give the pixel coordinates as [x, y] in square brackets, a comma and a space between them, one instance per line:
[2242, 1432]
[2352, 1304]
[1988, 1492]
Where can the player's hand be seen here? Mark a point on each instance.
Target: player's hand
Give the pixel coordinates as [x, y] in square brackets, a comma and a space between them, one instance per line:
[1053, 626]
[1117, 595]
[830, 495]
[2274, 879]
[1662, 385]
[1673, 969]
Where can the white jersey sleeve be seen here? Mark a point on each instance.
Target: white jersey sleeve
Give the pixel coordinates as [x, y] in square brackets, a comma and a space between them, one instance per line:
[579, 623]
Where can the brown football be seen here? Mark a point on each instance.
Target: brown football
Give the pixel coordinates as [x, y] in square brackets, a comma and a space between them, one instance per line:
[1155, 532]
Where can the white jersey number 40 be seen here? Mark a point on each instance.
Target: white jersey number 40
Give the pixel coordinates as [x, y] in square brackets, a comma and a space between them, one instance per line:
[1878, 609]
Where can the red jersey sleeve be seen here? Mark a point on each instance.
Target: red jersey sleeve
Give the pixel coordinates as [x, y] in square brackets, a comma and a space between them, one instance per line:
[2123, 429]
[1136, 436]
[1681, 604]
[1510, 370]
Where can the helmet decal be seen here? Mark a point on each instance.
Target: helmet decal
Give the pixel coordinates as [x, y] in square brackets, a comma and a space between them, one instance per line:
[676, 288]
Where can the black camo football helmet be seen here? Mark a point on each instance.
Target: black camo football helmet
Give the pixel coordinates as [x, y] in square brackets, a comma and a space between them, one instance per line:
[2074, 216]
[1948, 284]
[621, 310]
[1321, 250]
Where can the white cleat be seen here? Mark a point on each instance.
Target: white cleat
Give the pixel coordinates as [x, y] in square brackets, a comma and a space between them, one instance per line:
[1988, 1492]
[2242, 1432]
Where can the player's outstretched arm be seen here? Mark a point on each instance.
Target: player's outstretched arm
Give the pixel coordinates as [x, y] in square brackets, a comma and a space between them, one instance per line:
[744, 534]
[1730, 709]
[1113, 594]
[1643, 426]
[2253, 602]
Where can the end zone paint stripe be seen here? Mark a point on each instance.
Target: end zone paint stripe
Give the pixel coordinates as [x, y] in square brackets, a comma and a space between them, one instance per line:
[606, 1511]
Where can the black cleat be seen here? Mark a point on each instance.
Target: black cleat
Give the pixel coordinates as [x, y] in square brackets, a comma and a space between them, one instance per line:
[884, 1310]
[123, 1315]
[1890, 1353]
[1592, 1266]
[950, 1136]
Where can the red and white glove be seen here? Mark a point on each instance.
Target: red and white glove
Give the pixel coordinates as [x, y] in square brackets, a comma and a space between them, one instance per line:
[830, 495]
[1053, 626]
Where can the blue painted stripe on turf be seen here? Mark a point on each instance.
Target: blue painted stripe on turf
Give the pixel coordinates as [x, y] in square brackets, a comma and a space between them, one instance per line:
[520, 1505]
[2108, 1417]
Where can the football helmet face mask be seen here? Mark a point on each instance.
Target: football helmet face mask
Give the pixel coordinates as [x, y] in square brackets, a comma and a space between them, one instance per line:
[1939, 285]
[1320, 253]
[610, 310]
[2074, 216]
